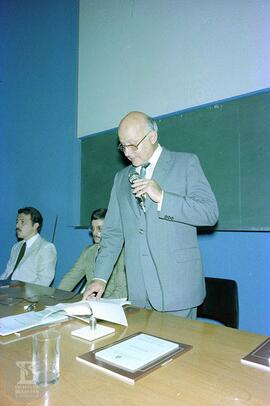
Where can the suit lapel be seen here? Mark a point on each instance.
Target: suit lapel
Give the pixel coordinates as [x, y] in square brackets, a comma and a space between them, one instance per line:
[16, 255]
[162, 167]
[160, 172]
[32, 249]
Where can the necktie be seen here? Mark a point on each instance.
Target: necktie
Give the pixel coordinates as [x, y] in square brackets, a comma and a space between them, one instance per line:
[143, 169]
[20, 256]
[141, 200]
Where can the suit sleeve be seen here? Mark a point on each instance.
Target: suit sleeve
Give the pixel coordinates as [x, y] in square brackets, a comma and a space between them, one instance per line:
[10, 264]
[112, 238]
[196, 205]
[77, 272]
[46, 265]
[117, 284]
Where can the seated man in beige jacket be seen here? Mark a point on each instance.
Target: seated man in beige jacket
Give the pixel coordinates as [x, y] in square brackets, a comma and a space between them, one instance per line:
[85, 265]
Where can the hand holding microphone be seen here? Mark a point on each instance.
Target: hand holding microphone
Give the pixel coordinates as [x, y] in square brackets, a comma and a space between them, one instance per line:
[143, 187]
[133, 177]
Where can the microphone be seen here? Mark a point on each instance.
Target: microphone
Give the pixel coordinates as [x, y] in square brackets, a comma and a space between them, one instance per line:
[141, 199]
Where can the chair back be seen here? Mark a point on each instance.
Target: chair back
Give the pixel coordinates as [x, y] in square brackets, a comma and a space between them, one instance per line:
[221, 302]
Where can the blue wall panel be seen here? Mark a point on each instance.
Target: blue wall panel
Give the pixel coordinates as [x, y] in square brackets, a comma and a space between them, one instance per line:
[40, 155]
[245, 257]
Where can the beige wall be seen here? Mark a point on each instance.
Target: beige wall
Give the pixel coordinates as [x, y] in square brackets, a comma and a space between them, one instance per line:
[162, 56]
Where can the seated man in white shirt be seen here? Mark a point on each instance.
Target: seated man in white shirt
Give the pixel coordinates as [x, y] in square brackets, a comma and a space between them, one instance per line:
[32, 259]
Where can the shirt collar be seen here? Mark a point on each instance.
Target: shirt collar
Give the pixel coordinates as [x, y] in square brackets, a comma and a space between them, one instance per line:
[154, 158]
[31, 240]
[152, 161]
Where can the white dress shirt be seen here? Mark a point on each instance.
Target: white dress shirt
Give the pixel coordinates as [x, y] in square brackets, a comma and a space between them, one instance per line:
[150, 169]
[31, 241]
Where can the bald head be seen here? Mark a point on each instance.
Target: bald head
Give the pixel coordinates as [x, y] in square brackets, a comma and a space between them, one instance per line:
[138, 129]
[138, 120]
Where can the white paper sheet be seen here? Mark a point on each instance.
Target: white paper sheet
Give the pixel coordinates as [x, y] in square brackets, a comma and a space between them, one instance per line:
[104, 309]
[24, 321]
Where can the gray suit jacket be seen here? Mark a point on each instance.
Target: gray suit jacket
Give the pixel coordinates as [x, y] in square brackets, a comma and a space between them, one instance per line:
[37, 265]
[161, 249]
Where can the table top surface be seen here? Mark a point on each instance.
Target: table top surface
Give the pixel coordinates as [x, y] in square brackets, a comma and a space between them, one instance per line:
[209, 374]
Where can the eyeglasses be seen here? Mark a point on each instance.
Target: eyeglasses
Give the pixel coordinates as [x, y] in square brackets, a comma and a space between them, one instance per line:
[92, 229]
[132, 147]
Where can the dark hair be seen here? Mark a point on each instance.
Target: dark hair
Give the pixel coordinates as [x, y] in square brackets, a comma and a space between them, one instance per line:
[98, 214]
[36, 216]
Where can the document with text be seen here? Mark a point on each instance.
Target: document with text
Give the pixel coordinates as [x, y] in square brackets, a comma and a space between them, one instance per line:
[135, 356]
[137, 352]
[24, 321]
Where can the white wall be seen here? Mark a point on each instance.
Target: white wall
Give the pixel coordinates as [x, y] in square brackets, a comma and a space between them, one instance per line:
[161, 56]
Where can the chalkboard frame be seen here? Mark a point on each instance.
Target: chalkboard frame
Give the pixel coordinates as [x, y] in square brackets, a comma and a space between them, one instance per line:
[232, 141]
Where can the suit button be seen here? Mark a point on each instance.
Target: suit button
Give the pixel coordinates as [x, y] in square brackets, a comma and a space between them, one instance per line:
[141, 231]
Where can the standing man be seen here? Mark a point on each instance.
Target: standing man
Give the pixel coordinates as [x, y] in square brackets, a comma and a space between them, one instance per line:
[32, 259]
[85, 265]
[156, 217]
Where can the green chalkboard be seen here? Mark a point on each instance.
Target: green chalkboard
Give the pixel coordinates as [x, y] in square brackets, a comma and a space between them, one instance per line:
[232, 141]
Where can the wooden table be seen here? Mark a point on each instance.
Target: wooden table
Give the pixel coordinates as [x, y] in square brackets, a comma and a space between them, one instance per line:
[209, 375]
